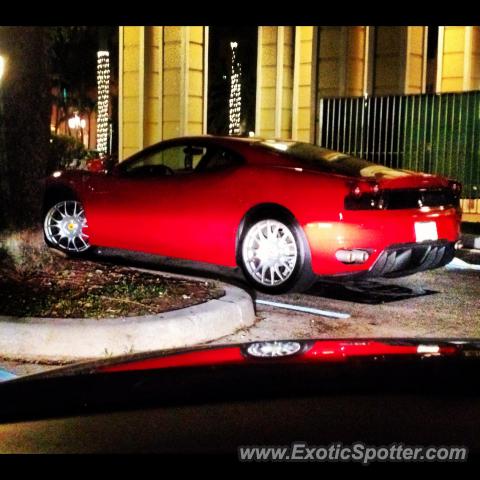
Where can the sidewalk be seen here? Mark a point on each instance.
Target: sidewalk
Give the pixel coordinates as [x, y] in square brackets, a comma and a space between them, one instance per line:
[67, 340]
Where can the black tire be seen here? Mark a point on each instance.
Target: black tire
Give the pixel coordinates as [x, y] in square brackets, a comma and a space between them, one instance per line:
[302, 277]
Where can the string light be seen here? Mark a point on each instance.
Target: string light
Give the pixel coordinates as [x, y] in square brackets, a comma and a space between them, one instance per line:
[103, 95]
[235, 101]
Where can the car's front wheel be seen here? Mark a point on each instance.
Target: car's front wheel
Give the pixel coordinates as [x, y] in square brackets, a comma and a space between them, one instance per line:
[65, 227]
[274, 256]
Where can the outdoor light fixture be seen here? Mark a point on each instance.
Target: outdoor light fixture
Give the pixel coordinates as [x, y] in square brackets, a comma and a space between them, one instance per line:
[103, 94]
[235, 102]
[76, 122]
[273, 349]
[2, 66]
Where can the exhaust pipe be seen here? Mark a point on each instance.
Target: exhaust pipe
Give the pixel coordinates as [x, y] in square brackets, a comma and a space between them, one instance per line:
[352, 256]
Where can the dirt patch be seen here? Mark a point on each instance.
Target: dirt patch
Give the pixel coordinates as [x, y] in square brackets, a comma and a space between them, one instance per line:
[46, 284]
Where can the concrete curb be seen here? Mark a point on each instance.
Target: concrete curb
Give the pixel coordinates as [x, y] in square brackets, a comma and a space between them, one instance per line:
[64, 340]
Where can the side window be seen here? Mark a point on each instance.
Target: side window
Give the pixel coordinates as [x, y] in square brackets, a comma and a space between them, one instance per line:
[193, 155]
[174, 160]
[216, 159]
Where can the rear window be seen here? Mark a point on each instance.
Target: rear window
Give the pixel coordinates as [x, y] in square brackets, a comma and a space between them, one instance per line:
[330, 161]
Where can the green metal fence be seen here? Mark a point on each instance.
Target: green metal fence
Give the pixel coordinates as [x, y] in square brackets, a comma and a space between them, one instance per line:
[429, 133]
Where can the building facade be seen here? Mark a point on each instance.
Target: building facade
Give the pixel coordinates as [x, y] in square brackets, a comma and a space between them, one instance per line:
[164, 71]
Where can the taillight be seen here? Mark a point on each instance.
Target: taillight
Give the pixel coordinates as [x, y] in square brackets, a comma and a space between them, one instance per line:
[363, 196]
[357, 189]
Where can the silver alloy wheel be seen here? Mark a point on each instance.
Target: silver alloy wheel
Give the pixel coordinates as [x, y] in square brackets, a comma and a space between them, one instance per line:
[269, 252]
[65, 226]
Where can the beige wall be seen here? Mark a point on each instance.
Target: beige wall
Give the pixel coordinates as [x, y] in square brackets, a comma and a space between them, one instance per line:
[341, 61]
[416, 60]
[453, 57]
[164, 70]
[266, 81]
[131, 79]
[390, 52]
[460, 59]
[303, 89]
[397, 53]
[162, 82]
[475, 59]
[275, 81]
[152, 125]
[284, 128]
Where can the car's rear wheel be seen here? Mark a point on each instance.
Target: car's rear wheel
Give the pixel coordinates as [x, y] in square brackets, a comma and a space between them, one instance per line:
[274, 255]
[65, 226]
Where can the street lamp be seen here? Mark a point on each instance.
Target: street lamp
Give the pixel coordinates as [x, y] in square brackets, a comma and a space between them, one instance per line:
[76, 123]
[2, 66]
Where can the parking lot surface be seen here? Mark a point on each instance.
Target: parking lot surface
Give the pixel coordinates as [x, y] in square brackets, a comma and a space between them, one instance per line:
[442, 303]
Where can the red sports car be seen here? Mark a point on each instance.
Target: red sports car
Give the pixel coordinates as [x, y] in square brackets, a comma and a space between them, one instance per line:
[286, 212]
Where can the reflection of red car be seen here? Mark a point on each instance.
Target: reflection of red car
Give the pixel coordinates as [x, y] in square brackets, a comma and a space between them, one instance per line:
[224, 399]
[284, 211]
[96, 165]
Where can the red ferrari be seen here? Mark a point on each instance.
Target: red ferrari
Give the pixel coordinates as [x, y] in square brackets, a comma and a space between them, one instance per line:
[286, 212]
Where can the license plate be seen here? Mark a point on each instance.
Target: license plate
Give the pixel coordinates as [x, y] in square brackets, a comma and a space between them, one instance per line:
[426, 231]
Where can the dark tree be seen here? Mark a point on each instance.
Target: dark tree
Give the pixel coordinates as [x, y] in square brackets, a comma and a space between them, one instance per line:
[38, 58]
[25, 125]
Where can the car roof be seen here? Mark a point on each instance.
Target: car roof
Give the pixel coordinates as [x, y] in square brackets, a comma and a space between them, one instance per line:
[228, 139]
[237, 143]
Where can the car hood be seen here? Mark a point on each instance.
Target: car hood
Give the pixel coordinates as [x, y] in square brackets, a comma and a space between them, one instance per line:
[279, 352]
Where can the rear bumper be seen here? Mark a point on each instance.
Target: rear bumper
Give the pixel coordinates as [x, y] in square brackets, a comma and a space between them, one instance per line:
[377, 233]
[404, 259]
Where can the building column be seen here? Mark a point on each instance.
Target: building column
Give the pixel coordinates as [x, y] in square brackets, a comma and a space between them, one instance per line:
[390, 58]
[303, 109]
[285, 96]
[162, 87]
[458, 57]
[131, 90]
[152, 85]
[342, 54]
[266, 116]
[415, 63]
[184, 79]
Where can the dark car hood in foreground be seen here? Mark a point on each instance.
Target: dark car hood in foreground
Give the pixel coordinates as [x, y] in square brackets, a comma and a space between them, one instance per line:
[213, 399]
[275, 352]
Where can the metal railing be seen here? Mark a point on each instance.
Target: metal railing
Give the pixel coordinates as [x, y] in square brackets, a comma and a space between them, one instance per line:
[433, 133]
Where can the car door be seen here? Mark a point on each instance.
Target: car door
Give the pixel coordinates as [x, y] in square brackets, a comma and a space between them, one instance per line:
[159, 202]
[208, 206]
